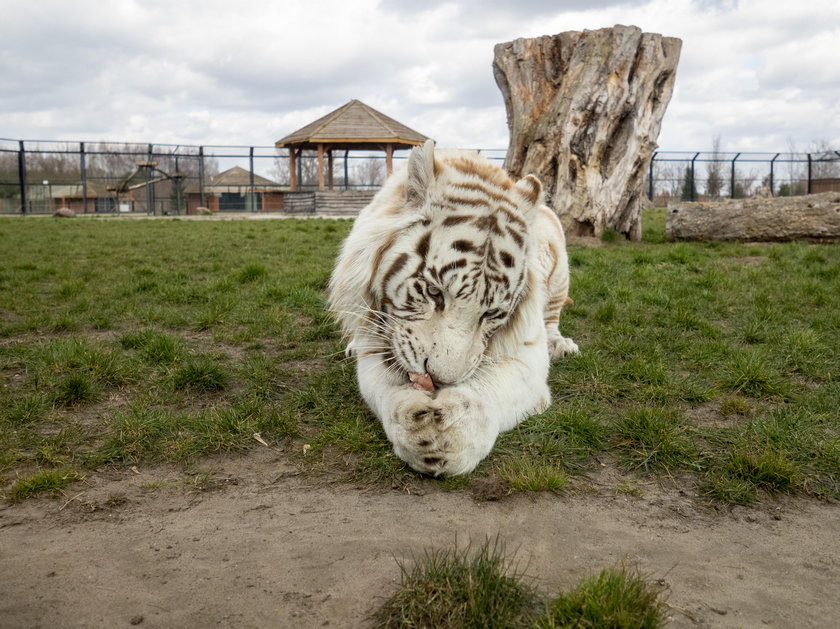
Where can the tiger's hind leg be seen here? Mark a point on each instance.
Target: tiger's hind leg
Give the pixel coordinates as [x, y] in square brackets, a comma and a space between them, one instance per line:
[558, 345]
[554, 263]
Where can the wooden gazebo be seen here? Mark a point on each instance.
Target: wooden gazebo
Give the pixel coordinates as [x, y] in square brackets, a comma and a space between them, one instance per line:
[354, 126]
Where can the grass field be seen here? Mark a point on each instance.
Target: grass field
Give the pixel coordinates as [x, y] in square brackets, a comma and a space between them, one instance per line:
[127, 342]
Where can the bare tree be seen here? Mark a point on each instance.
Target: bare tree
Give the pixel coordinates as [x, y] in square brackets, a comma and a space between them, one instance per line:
[796, 173]
[9, 186]
[825, 162]
[307, 164]
[667, 181]
[745, 185]
[369, 172]
[714, 171]
[113, 163]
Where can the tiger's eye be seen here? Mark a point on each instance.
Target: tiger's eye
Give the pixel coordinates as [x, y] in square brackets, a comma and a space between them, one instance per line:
[433, 291]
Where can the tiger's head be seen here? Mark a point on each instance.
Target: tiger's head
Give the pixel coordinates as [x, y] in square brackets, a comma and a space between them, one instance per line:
[454, 272]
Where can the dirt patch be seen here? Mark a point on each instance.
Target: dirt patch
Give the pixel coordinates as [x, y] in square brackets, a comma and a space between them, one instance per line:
[710, 415]
[492, 488]
[249, 542]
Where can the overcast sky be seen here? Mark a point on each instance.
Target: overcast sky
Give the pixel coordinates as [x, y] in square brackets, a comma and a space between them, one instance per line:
[759, 73]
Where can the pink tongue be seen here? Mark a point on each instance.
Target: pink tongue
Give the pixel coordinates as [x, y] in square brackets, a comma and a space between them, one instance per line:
[422, 381]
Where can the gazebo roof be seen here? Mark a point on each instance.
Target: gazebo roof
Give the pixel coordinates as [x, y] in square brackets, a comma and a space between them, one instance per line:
[354, 125]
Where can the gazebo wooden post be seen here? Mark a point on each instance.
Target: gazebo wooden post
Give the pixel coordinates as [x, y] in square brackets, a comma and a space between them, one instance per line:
[320, 167]
[389, 163]
[293, 183]
[330, 169]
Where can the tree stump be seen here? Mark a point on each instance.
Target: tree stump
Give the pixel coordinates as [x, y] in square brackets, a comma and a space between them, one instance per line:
[584, 111]
[813, 216]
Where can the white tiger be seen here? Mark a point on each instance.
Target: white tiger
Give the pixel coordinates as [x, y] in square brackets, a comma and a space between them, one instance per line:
[449, 288]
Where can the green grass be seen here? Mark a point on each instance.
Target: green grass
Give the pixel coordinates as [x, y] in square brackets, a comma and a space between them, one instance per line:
[481, 588]
[166, 341]
[47, 481]
[459, 589]
[613, 599]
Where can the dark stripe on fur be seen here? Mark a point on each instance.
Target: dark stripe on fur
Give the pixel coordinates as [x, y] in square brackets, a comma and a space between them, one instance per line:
[456, 220]
[464, 246]
[395, 268]
[423, 245]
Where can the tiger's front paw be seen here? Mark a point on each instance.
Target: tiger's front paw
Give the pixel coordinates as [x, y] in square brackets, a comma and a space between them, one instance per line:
[441, 436]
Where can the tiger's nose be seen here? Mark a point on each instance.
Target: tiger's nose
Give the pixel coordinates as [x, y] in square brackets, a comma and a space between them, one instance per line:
[436, 379]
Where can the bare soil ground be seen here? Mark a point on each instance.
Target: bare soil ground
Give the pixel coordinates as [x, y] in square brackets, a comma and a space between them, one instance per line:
[255, 544]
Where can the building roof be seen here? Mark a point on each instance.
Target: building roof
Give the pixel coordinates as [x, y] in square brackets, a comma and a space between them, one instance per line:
[354, 125]
[237, 177]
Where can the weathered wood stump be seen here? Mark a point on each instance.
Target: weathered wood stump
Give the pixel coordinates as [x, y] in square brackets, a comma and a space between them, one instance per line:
[584, 111]
[814, 216]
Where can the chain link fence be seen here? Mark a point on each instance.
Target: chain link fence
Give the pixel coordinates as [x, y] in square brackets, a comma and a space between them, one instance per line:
[39, 177]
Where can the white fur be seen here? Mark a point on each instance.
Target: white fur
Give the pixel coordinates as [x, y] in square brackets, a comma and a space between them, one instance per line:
[494, 385]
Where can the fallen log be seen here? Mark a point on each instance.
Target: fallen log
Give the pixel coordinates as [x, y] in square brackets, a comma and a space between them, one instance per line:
[584, 109]
[812, 217]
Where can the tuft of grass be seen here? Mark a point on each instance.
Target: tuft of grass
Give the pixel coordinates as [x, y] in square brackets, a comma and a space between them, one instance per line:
[154, 346]
[767, 469]
[200, 374]
[610, 235]
[727, 489]
[76, 388]
[252, 273]
[653, 439]
[533, 474]
[606, 313]
[746, 470]
[46, 481]
[735, 405]
[750, 371]
[47, 362]
[28, 409]
[615, 598]
[459, 589]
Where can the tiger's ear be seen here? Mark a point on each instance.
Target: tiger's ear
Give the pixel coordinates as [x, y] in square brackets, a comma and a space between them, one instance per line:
[421, 174]
[531, 191]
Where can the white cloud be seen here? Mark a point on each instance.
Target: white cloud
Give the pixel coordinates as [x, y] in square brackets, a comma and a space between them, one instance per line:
[211, 72]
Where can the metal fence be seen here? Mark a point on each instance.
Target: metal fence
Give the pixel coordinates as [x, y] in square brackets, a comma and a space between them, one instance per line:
[163, 179]
[166, 179]
[694, 176]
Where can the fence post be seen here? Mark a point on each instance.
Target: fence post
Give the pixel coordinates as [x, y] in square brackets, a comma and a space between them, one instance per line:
[150, 201]
[650, 176]
[732, 177]
[693, 190]
[83, 174]
[253, 202]
[201, 176]
[772, 178]
[22, 175]
[809, 173]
